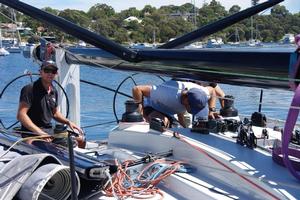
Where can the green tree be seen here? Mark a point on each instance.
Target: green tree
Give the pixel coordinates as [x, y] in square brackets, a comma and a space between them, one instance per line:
[211, 12]
[148, 10]
[120, 35]
[254, 2]
[103, 20]
[279, 11]
[130, 12]
[234, 9]
[100, 11]
[51, 10]
[76, 16]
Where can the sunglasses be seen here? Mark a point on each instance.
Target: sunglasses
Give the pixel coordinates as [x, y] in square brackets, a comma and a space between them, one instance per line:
[47, 71]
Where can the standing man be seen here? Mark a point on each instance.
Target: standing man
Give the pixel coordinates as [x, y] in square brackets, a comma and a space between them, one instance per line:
[177, 97]
[38, 105]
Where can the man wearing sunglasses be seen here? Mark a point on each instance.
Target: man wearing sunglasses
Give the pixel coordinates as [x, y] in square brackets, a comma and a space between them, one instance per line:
[38, 105]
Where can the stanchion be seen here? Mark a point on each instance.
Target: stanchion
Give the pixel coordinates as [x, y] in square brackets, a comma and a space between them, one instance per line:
[72, 168]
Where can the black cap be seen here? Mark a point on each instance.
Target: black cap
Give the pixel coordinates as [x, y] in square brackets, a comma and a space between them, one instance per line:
[197, 100]
[49, 64]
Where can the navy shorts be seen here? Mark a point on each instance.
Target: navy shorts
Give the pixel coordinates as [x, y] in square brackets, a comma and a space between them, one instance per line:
[148, 110]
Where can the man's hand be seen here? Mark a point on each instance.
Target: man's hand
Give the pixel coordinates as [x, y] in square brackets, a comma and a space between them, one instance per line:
[214, 115]
[45, 136]
[81, 137]
[74, 126]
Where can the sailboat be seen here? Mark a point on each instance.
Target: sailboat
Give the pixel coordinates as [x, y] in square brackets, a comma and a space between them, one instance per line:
[15, 46]
[3, 52]
[145, 160]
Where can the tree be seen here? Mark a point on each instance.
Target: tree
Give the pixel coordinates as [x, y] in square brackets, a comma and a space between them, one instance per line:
[130, 12]
[211, 12]
[76, 16]
[51, 10]
[120, 35]
[279, 11]
[148, 10]
[104, 27]
[234, 9]
[102, 19]
[100, 11]
[5, 12]
[188, 8]
[254, 2]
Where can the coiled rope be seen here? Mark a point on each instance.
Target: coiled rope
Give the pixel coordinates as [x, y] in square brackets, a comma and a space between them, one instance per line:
[144, 186]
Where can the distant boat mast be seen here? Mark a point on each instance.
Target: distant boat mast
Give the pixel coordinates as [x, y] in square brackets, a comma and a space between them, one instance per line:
[254, 3]
[194, 14]
[14, 18]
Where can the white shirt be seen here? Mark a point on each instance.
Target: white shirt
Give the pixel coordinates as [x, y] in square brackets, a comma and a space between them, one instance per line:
[166, 97]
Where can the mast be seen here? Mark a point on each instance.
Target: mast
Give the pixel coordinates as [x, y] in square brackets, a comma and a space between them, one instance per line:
[237, 37]
[194, 14]
[0, 38]
[253, 3]
[154, 37]
[14, 17]
[251, 36]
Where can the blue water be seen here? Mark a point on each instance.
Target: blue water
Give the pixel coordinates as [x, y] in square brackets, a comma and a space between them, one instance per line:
[97, 103]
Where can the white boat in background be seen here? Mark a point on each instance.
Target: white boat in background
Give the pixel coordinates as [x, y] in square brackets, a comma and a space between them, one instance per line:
[14, 49]
[22, 45]
[214, 43]
[288, 39]
[254, 43]
[195, 45]
[141, 45]
[3, 52]
[28, 49]
[81, 44]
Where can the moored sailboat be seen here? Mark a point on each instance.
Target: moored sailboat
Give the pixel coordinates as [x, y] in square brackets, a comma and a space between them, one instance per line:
[3, 52]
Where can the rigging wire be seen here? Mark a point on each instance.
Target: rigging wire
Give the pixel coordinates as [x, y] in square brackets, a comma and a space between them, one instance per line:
[104, 87]
[87, 61]
[117, 90]
[99, 124]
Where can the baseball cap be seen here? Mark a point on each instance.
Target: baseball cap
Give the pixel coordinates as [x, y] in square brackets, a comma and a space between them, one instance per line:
[197, 99]
[49, 64]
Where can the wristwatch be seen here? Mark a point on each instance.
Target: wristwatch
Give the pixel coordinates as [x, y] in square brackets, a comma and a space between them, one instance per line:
[212, 109]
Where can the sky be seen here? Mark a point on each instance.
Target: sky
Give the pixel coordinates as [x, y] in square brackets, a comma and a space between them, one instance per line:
[118, 5]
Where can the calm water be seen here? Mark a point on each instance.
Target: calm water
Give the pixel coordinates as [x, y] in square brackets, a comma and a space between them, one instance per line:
[97, 103]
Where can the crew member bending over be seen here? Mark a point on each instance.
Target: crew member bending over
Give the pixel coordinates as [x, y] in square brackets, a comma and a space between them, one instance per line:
[177, 97]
